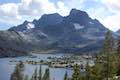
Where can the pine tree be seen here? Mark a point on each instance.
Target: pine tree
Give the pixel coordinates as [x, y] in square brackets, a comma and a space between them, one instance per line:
[46, 76]
[17, 74]
[108, 46]
[87, 71]
[21, 65]
[35, 74]
[118, 55]
[66, 76]
[76, 73]
[95, 72]
[118, 47]
[40, 73]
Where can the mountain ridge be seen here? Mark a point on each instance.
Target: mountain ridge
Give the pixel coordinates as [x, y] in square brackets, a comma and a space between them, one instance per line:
[75, 31]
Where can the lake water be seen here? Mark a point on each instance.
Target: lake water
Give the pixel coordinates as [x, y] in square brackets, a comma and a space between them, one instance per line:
[6, 67]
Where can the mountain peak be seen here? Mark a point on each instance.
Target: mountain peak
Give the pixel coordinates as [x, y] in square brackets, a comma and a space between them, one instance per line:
[49, 19]
[78, 16]
[25, 22]
[51, 15]
[69, 32]
[75, 12]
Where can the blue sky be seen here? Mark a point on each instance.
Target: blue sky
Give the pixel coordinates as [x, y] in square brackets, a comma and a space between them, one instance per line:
[9, 1]
[14, 12]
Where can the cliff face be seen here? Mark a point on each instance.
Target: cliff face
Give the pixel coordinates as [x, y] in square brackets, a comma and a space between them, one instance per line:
[12, 44]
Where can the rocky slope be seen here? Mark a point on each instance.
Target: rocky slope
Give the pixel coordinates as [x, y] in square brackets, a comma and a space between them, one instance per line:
[75, 33]
[12, 44]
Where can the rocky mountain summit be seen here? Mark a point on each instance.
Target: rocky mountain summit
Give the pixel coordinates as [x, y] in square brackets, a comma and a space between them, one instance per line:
[76, 32]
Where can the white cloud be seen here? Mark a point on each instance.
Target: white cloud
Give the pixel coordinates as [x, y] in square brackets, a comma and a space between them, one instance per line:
[113, 5]
[113, 22]
[16, 13]
[62, 9]
[108, 13]
[9, 12]
[36, 7]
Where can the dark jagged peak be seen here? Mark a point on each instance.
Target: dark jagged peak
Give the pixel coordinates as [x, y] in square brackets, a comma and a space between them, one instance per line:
[22, 27]
[96, 21]
[25, 22]
[75, 11]
[49, 19]
[51, 15]
[34, 21]
[78, 16]
[78, 13]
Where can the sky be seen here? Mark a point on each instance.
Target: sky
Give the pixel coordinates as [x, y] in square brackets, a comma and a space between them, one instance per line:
[14, 12]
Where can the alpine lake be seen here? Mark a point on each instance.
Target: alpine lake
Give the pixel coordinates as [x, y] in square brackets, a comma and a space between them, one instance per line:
[57, 63]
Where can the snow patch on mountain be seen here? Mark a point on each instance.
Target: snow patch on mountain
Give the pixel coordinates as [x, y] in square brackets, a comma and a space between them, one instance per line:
[30, 26]
[78, 26]
[91, 23]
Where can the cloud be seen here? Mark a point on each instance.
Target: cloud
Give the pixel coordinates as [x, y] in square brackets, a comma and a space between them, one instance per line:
[62, 9]
[113, 22]
[36, 7]
[17, 12]
[9, 12]
[107, 11]
[113, 5]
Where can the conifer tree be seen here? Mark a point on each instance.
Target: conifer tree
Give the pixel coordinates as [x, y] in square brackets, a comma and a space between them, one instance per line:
[76, 73]
[118, 47]
[17, 74]
[66, 76]
[118, 55]
[108, 46]
[46, 75]
[35, 74]
[40, 73]
[95, 72]
[87, 71]
[21, 65]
